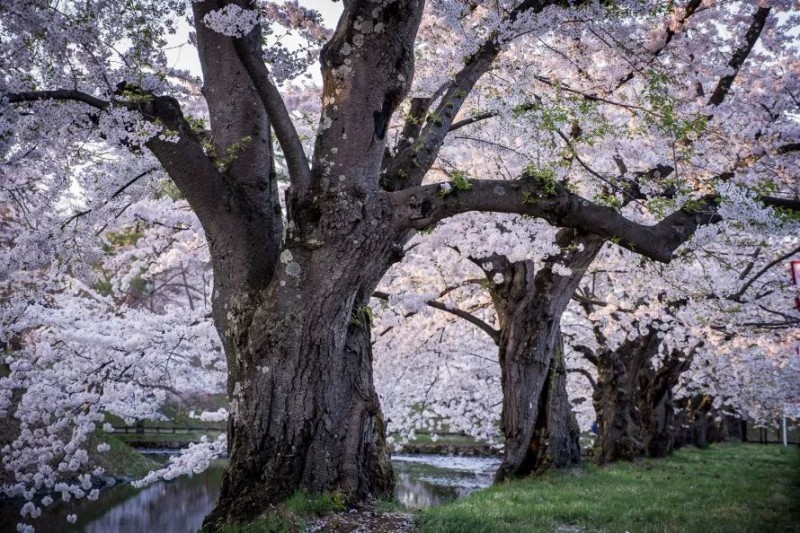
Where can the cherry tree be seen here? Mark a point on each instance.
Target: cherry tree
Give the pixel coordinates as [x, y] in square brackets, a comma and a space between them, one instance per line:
[670, 114]
[120, 334]
[692, 338]
[292, 284]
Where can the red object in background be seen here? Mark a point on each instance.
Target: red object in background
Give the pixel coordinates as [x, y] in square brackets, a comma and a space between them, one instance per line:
[796, 280]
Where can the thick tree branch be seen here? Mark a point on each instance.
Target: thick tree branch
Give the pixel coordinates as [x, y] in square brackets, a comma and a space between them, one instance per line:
[788, 148]
[422, 206]
[587, 353]
[792, 204]
[366, 75]
[739, 56]
[58, 94]
[248, 49]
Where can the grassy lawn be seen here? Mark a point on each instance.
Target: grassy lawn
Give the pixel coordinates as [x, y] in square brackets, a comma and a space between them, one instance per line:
[121, 460]
[725, 489]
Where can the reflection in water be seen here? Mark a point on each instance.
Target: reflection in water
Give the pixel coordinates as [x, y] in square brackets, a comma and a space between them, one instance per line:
[428, 480]
[163, 507]
[179, 506]
[167, 507]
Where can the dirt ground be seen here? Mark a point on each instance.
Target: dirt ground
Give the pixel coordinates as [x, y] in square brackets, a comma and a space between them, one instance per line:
[365, 521]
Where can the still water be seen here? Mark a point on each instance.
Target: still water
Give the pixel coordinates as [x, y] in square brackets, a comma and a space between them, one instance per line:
[179, 506]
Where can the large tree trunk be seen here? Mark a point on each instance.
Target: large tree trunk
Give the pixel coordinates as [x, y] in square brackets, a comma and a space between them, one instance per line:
[617, 420]
[529, 306]
[658, 424]
[292, 311]
[556, 440]
[656, 405]
[304, 411]
[307, 417]
[616, 398]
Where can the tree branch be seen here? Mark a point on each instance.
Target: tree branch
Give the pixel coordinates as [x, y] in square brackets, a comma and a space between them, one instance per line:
[472, 319]
[58, 94]
[672, 29]
[587, 353]
[184, 160]
[472, 120]
[589, 97]
[782, 203]
[131, 182]
[788, 148]
[410, 165]
[248, 49]
[739, 56]
[738, 296]
[584, 373]
[425, 205]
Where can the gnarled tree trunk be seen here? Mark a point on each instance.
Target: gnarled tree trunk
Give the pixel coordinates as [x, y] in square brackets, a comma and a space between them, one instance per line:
[657, 414]
[634, 399]
[291, 311]
[616, 397]
[656, 404]
[556, 440]
[529, 305]
[304, 411]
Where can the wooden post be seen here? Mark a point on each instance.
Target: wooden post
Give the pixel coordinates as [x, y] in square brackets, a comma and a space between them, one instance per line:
[785, 433]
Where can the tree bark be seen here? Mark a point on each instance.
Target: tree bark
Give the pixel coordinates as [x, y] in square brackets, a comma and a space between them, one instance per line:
[656, 405]
[617, 435]
[556, 440]
[616, 398]
[290, 310]
[529, 305]
[658, 423]
[304, 411]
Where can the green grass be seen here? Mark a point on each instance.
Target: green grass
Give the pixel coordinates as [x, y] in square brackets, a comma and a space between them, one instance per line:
[725, 489]
[121, 460]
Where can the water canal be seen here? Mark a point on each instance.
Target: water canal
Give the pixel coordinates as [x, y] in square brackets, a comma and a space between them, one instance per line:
[179, 506]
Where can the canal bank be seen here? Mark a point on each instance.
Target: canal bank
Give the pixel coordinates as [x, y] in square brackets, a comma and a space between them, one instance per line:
[179, 506]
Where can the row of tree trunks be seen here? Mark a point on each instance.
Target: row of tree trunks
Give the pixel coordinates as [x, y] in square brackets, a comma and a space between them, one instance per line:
[633, 399]
[700, 424]
[637, 413]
